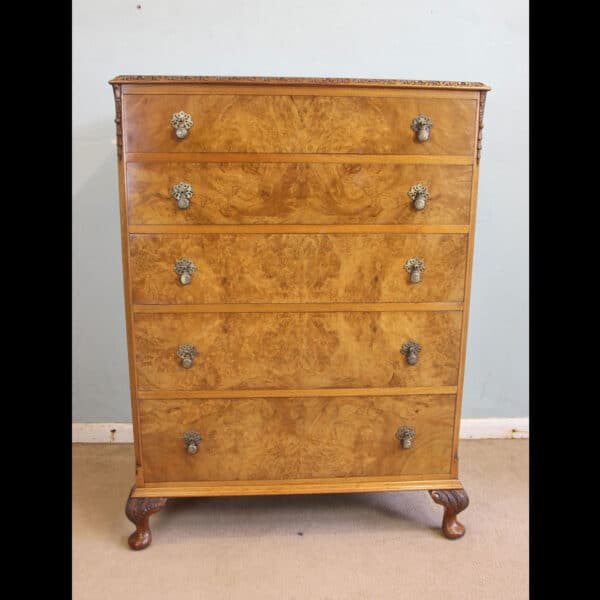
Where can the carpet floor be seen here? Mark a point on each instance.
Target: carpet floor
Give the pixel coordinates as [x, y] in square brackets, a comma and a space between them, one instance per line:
[325, 547]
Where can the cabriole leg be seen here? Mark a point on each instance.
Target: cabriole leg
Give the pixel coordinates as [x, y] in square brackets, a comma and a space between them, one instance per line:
[139, 511]
[454, 502]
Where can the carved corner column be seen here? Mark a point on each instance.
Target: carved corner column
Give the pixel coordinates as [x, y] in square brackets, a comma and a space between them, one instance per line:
[118, 119]
[482, 96]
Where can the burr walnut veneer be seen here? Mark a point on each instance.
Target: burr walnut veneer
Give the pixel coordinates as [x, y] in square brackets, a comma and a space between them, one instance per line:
[297, 261]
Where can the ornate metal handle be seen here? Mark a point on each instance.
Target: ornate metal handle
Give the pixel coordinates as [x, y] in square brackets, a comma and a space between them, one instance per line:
[184, 267]
[422, 125]
[187, 353]
[406, 436]
[411, 350]
[419, 194]
[415, 266]
[192, 440]
[181, 122]
[182, 192]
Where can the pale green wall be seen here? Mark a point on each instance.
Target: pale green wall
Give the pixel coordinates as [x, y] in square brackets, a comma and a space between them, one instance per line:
[413, 39]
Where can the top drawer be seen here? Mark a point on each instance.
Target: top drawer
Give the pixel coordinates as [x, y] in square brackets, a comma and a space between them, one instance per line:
[298, 124]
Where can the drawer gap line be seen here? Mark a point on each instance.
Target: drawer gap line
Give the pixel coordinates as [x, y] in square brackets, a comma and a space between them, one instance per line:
[278, 157]
[299, 229]
[296, 393]
[299, 307]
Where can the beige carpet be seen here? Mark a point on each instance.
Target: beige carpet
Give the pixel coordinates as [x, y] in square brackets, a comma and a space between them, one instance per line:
[330, 547]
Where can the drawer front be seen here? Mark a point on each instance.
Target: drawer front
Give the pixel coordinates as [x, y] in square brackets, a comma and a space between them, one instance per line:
[296, 350]
[298, 124]
[295, 438]
[312, 193]
[239, 268]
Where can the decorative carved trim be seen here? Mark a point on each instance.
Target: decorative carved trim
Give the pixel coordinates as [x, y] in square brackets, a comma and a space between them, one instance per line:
[139, 511]
[482, 97]
[454, 502]
[117, 92]
[407, 83]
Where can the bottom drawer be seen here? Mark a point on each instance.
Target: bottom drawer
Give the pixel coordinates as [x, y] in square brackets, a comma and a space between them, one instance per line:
[295, 438]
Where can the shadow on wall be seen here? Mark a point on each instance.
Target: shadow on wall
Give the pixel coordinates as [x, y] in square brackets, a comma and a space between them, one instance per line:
[101, 383]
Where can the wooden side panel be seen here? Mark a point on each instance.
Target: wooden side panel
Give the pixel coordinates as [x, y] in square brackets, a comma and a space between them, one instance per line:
[291, 438]
[315, 124]
[296, 350]
[127, 284]
[272, 193]
[465, 325]
[297, 268]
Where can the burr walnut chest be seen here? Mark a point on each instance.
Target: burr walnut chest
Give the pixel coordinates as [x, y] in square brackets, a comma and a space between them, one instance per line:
[297, 263]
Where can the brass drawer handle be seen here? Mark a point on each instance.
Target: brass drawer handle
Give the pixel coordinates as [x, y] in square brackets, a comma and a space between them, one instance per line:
[419, 194]
[187, 353]
[415, 266]
[422, 125]
[192, 440]
[184, 267]
[406, 436]
[182, 192]
[411, 350]
[181, 123]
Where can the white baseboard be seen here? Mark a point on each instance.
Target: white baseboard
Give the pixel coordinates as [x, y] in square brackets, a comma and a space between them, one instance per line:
[470, 429]
[102, 433]
[481, 429]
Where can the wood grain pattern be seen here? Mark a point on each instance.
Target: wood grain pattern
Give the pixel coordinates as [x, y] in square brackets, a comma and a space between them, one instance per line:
[291, 350]
[250, 193]
[349, 228]
[300, 393]
[315, 124]
[318, 485]
[296, 90]
[293, 307]
[288, 438]
[273, 157]
[310, 81]
[297, 268]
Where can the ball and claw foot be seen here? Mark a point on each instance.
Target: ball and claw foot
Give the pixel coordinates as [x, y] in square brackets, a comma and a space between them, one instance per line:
[453, 501]
[139, 511]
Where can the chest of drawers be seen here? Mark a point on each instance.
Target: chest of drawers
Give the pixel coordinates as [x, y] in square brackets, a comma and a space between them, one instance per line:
[297, 257]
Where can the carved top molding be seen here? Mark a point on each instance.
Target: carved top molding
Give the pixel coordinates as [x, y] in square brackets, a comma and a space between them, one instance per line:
[341, 81]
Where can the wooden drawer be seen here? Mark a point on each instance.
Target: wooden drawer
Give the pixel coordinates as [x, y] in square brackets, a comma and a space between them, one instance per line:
[312, 193]
[296, 350]
[296, 438]
[240, 268]
[298, 124]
